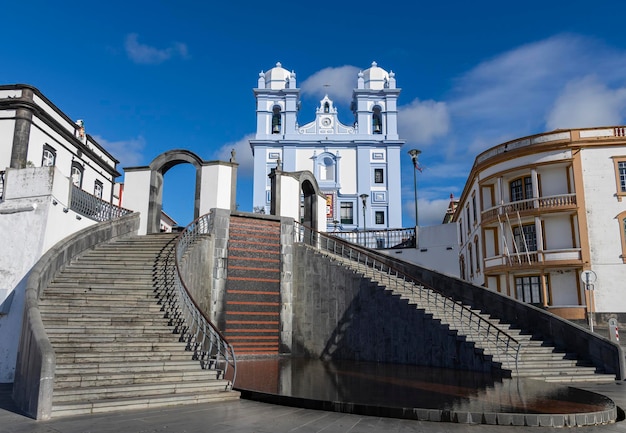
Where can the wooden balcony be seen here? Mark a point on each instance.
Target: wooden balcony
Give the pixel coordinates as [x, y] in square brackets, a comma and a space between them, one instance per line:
[532, 206]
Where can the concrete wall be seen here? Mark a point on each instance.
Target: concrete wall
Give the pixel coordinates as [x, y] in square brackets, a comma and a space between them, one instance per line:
[35, 366]
[339, 315]
[438, 248]
[196, 270]
[33, 217]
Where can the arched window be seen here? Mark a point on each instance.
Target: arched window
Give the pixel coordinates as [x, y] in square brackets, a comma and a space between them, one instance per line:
[49, 156]
[476, 250]
[462, 267]
[377, 121]
[276, 120]
[327, 169]
[77, 174]
[326, 107]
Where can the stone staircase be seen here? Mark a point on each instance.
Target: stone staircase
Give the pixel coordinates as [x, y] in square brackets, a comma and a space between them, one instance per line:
[538, 359]
[114, 348]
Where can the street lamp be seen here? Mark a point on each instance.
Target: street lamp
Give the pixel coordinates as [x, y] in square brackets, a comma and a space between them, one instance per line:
[414, 154]
[364, 200]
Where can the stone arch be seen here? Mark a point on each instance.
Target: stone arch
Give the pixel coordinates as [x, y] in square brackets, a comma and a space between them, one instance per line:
[311, 192]
[158, 167]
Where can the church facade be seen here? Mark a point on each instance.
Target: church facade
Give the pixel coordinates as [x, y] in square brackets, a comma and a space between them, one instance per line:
[357, 166]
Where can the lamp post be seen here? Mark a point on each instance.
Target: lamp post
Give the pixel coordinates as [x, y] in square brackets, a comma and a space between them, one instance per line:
[414, 153]
[364, 200]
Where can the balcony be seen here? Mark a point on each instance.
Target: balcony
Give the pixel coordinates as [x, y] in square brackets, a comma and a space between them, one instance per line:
[560, 257]
[554, 203]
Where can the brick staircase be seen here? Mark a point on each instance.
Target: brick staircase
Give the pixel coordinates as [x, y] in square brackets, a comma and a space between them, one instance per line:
[253, 286]
[114, 348]
[538, 359]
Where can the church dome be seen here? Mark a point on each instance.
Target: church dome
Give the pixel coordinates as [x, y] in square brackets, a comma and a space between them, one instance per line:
[277, 78]
[375, 77]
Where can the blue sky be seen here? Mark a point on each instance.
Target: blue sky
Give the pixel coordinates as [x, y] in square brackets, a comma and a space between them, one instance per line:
[151, 76]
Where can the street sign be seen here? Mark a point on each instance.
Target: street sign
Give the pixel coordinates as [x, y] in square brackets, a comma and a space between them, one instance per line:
[588, 277]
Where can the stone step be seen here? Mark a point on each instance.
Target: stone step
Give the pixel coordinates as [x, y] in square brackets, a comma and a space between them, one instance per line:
[113, 405]
[64, 395]
[80, 380]
[108, 346]
[122, 356]
[134, 367]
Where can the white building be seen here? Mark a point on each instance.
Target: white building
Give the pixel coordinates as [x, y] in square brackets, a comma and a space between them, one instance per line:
[353, 164]
[538, 212]
[51, 175]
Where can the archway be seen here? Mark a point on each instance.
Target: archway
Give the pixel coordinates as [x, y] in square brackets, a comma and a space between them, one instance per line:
[158, 167]
[310, 192]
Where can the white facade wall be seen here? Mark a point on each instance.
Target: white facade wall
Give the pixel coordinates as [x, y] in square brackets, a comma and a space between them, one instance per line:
[30, 223]
[603, 226]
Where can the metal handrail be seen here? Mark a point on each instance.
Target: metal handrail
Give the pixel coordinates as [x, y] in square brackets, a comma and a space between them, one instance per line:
[365, 263]
[209, 345]
[93, 207]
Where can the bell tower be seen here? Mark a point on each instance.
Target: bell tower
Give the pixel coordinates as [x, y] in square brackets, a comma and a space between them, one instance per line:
[375, 103]
[277, 103]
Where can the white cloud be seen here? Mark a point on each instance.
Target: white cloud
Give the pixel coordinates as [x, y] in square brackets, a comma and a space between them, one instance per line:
[422, 121]
[128, 152]
[430, 212]
[587, 102]
[145, 54]
[243, 155]
[338, 83]
[517, 93]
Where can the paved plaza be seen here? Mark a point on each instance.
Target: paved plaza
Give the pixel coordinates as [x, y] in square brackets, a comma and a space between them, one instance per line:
[250, 416]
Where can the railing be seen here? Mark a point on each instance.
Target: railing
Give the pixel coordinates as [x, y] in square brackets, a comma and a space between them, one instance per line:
[209, 345]
[542, 203]
[380, 239]
[93, 207]
[534, 257]
[451, 311]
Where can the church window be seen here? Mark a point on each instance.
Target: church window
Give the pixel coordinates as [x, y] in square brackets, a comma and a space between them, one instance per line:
[326, 107]
[327, 169]
[377, 121]
[379, 175]
[347, 212]
[276, 120]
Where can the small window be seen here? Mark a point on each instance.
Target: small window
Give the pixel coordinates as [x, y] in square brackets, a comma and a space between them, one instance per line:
[346, 212]
[97, 189]
[528, 289]
[470, 259]
[474, 208]
[379, 217]
[77, 174]
[49, 156]
[379, 175]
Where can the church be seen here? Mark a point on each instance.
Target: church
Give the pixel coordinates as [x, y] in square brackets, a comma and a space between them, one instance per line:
[357, 166]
